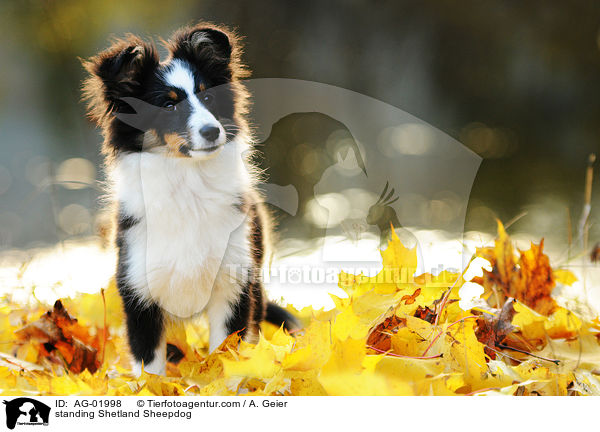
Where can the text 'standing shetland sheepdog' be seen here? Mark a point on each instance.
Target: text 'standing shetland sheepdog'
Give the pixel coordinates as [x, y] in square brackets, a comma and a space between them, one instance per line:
[191, 232]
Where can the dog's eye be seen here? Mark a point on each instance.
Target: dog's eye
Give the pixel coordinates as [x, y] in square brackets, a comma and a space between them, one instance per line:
[207, 99]
[169, 106]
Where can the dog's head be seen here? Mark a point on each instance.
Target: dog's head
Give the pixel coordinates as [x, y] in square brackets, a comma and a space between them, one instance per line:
[190, 105]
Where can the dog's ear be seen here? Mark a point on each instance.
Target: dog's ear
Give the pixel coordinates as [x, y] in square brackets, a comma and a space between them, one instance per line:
[211, 38]
[201, 43]
[118, 72]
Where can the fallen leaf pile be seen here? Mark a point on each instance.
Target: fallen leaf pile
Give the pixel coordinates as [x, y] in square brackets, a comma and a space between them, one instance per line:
[392, 334]
[61, 339]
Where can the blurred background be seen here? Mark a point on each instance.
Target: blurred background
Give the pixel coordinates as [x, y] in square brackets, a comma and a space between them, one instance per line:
[516, 82]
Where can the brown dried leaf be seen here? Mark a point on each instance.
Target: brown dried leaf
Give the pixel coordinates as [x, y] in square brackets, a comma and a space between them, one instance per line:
[425, 314]
[536, 280]
[529, 280]
[492, 330]
[410, 299]
[60, 336]
[380, 336]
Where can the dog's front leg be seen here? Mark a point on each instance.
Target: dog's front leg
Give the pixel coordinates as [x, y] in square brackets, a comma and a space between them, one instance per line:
[145, 330]
[241, 313]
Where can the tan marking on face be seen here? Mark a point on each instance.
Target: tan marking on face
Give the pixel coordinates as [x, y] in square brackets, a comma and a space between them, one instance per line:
[173, 95]
[174, 142]
[202, 87]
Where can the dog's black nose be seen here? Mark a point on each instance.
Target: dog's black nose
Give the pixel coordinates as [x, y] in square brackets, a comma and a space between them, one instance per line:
[210, 133]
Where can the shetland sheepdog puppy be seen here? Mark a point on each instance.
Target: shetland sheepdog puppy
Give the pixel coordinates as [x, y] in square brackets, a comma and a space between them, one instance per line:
[191, 231]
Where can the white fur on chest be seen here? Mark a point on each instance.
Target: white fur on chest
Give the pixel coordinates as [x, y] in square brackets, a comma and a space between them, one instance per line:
[189, 232]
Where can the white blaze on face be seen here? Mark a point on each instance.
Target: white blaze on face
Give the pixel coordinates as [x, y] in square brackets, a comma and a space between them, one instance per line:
[179, 75]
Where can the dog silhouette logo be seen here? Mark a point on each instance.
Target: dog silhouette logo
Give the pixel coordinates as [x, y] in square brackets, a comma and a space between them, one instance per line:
[26, 411]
